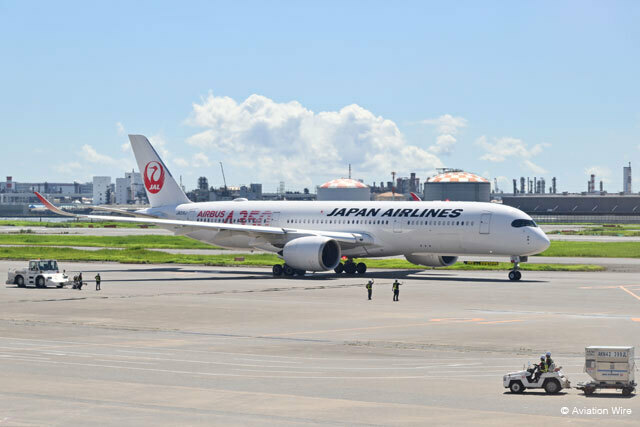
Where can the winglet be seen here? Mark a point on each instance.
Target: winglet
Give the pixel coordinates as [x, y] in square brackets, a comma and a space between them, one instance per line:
[415, 197]
[50, 205]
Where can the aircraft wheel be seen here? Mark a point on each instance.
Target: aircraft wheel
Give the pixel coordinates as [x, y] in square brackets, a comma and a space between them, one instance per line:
[277, 270]
[19, 281]
[339, 268]
[626, 391]
[361, 268]
[288, 270]
[518, 275]
[350, 268]
[513, 276]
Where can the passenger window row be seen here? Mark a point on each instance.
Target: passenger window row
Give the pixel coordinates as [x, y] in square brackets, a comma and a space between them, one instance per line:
[234, 221]
[337, 221]
[436, 223]
[383, 222]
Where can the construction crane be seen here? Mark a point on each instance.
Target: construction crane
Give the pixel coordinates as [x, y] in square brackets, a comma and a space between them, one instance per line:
[226, 190]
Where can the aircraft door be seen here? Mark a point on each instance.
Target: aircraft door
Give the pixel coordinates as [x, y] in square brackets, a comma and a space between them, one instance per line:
[485, 223]
[397, 226]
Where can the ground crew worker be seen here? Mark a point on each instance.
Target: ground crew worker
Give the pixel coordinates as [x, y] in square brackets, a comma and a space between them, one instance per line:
[370, 288]
[549, 362]
[98, 282]
[396, 290]
[542, 368]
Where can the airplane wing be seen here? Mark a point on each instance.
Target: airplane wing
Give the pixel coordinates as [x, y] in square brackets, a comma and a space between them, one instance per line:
[121, 212]
[274, 235]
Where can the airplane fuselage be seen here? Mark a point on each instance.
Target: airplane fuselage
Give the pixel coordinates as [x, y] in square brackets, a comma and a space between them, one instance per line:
[396, 228]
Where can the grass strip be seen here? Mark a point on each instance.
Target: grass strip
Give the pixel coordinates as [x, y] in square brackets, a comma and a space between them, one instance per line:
[599, 231]
[593, 249]
[557, 248]
[144, 242]
[144, 256]
[70, 224]
[130, 256]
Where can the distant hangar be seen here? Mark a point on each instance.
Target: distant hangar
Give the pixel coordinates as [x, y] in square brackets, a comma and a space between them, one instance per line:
[575, 204]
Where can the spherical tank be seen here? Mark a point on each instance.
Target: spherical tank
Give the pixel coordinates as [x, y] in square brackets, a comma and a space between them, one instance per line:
[457, 186]
[344, 189]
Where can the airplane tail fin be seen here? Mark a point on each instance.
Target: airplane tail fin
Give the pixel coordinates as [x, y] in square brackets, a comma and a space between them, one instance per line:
[162, 189]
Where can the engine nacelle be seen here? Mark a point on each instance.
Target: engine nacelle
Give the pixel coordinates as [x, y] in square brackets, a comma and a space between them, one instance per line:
[431, 260]
[312, 253]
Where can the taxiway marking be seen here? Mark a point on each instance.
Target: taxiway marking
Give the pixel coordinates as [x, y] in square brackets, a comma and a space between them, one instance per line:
[475, 320]
[630, 293]
[500, 321]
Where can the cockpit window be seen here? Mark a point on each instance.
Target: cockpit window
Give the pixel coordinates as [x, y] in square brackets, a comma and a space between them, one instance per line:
[523, 223]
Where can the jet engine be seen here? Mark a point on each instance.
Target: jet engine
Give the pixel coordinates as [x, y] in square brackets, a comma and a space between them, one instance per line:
[313, 253]
[431, 260]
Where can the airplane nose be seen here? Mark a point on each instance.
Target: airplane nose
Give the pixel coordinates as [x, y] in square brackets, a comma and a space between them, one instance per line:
[542, 241]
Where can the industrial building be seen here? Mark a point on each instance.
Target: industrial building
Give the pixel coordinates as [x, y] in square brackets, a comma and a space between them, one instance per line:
[130, 189]
[344, 189]
[626, 180]
[101, 190]
[457, 185]
[578, 207]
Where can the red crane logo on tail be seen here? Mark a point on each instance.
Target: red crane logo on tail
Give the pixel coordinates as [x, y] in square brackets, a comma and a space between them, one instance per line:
[153, 177]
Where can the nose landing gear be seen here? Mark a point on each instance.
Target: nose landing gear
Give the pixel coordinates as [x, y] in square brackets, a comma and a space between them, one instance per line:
[514, 274]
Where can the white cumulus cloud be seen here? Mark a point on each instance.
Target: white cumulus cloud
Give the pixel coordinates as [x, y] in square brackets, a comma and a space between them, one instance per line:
[501, 149]
[90, 154]
[286, 141]
[447, 126]
[68, 168]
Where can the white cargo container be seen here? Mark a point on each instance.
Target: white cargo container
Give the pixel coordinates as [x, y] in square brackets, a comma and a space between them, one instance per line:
[610, 367]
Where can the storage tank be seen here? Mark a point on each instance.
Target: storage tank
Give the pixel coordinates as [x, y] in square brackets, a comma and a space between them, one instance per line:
[344, 189]
[457, 185]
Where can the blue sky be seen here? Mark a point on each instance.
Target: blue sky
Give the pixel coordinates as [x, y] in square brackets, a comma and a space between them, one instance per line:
[295, 91]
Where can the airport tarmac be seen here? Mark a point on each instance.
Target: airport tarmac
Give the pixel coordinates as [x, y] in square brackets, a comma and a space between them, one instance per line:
[190, 345]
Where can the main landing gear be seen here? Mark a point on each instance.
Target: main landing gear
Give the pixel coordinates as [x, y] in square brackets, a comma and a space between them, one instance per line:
[351, 267]
[514, 274]
[284, 269]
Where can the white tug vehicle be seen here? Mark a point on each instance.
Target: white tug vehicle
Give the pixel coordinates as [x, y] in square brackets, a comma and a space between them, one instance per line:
[40, 274]
[552, 382]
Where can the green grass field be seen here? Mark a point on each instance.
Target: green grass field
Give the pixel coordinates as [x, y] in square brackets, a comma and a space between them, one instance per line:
[69, 224]
[622, 230]
[593, 249]
[145, 242]
[144, 256]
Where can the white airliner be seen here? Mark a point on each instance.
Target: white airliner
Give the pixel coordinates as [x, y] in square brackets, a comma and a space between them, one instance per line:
[318, 236]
